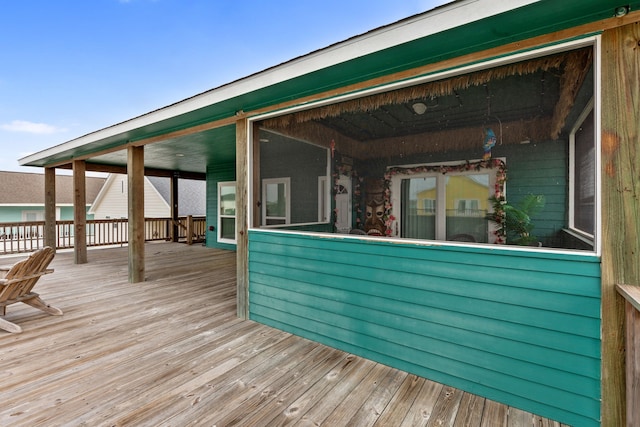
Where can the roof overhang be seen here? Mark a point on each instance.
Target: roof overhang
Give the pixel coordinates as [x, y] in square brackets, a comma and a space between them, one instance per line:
[456, 29]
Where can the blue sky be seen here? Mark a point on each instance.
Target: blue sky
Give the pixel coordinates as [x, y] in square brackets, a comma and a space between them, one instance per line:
[70, 67]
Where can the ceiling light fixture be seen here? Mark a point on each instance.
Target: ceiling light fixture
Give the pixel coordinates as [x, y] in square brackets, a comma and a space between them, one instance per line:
[419, 108]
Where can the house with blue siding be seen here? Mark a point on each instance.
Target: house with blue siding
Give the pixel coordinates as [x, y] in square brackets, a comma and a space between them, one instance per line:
[454, 195]
[22, 196]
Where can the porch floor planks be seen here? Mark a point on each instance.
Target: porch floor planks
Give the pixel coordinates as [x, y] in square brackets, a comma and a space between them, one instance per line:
[161, 398]
[170, 352]
[262, 405]
[241, 385]
[125, 334]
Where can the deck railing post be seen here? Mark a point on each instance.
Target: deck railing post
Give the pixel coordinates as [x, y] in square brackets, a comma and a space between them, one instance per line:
[631, 295]
[189, 229]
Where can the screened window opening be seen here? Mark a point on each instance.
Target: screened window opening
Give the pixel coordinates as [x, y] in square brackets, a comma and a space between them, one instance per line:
[433, 160]
[295, 186]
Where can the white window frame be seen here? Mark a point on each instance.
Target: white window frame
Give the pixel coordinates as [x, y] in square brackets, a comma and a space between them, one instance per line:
[572, 173]
[324, 204]
[441, 184]
[221, 216]
[38, 213]
[287, 189]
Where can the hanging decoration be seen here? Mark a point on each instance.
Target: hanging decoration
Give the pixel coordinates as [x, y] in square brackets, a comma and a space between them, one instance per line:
[488, 143]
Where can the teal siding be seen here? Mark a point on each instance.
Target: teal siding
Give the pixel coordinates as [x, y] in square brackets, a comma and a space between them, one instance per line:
[541, 168]
[519, 327]
[14, 213]
[66, 213]
[215, 174]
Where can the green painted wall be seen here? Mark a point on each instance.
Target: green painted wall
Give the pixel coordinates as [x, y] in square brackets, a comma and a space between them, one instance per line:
[217, 173]
[519, 327]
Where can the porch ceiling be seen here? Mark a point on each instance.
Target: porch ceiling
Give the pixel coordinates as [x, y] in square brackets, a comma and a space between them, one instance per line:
[507, 100]
[190, 153]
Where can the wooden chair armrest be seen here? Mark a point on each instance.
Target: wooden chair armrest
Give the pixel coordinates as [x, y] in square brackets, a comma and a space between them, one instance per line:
[20, 279]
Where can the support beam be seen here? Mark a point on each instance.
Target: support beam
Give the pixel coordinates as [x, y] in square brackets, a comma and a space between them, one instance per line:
[135, 176]
[242, 248]
[620, 204]
[174, 207]
[50, 208]
[79, 212]
[96, 167]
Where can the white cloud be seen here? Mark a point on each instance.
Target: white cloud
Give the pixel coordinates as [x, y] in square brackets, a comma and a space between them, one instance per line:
[30, 127]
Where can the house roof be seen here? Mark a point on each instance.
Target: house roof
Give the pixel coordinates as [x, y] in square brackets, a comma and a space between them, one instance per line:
[199, 131]
[20, 188]
[192, 196]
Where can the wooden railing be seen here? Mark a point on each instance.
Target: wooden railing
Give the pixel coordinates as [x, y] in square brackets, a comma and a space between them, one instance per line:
[28, 236]
[631, 295]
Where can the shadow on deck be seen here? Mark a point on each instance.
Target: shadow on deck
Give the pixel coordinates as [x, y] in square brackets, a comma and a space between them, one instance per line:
[171, 352]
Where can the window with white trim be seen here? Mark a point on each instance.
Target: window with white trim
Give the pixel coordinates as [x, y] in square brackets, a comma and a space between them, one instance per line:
[582, 194]
[276, 201]
[457, 202]
[227, 212]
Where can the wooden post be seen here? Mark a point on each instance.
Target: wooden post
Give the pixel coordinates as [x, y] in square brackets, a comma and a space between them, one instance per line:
[631, 295]
[174, 207]
[620, 204]
[135, 175]
[79, 212]
[50, 208]
[242, 242]
[189, 229]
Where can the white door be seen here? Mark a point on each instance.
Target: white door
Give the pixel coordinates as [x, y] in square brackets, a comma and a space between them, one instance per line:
[343, 204]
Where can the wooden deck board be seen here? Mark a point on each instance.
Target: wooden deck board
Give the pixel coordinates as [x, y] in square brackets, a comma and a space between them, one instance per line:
[171, 352]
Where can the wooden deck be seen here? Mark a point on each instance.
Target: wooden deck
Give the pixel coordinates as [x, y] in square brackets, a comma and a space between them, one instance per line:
[171, 352]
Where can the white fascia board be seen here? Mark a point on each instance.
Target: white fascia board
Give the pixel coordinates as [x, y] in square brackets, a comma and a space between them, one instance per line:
[440, 19]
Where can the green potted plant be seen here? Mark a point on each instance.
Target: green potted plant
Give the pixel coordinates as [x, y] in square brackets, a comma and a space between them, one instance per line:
[514, 222]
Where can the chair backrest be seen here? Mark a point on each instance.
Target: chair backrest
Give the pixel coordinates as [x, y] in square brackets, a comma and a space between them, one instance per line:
[36, 263]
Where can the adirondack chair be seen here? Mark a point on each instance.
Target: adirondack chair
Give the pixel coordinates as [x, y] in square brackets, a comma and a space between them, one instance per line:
[17, 282]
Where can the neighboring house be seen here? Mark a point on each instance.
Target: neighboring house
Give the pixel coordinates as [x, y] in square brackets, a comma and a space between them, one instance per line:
[111, 202]
[554, 83]
[22, 196]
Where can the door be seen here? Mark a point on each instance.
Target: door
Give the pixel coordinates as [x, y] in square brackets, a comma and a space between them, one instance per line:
[343, 204]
